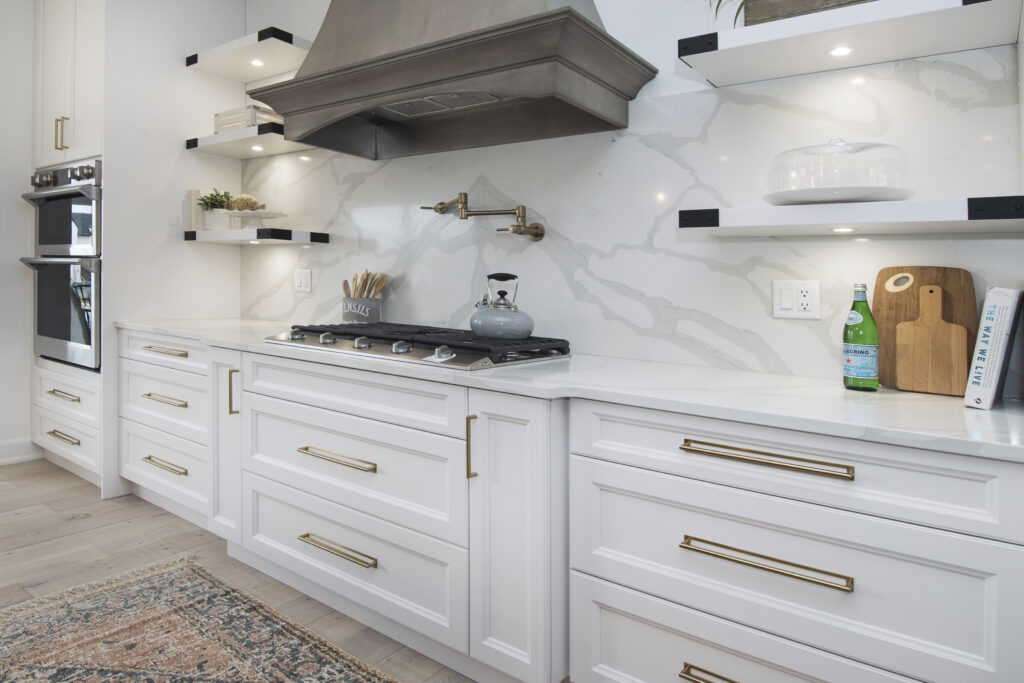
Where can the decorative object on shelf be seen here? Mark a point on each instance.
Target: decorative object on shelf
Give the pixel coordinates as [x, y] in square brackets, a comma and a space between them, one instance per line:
[497, 316]
[897, 300]
[761, 11]
[249, 115]
[838, 171]
[990, 362]
[215, 216]
[362, 298]
[535, 231]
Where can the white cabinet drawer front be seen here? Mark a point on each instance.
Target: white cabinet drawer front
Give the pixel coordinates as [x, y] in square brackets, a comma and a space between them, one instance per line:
[173, 467]
[413, 579]
[622, 635]
[171, 400]
[179, 353]
[67, 395]
[924, 603]
[405, 476]
[431, 406]
[67, 438]
[949, 491]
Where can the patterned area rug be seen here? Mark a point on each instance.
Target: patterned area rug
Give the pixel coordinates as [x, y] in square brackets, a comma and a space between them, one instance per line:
[172, 623]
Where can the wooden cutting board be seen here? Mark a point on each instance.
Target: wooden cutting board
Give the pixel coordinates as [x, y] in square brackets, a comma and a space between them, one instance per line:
[931, 354]
[896, 300]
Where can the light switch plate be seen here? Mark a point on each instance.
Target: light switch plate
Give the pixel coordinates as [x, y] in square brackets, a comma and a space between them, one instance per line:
[799, 299]
[304, 281]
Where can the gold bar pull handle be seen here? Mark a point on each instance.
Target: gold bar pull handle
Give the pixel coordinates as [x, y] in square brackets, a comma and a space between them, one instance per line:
[160, 398]
[821, 468]
[64, 396]
[166, 351]
[164, 465]
[62, 120]
[339, 458]
[231, 392]
[56, 132]
[61, 436]
[695, 674]
[700, 545]
[469, 447]
[342, 551]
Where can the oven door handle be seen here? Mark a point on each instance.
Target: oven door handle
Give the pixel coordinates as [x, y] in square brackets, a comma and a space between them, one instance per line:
[90, 264]
[39, 198]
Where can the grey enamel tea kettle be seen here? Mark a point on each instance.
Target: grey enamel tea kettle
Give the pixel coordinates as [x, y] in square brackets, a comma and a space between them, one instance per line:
[496, 316]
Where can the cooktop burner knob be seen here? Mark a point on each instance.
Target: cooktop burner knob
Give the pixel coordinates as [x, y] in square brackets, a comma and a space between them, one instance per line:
[361, 343]
[401, 347]
[443, 352]
[297, 335]
[328, 338]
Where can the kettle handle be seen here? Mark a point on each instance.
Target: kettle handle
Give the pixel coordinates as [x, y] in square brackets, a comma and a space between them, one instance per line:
[502, 277]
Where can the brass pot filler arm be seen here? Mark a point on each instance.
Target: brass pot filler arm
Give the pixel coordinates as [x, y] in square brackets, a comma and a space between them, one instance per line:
[535, 231]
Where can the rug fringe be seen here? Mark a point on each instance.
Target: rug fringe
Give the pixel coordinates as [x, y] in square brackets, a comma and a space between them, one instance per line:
[46, 600]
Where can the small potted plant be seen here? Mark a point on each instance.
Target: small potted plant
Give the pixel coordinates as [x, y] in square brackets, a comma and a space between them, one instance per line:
[215, 215]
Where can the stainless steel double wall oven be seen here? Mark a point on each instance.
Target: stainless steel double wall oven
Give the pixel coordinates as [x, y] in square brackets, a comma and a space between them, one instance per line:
[67, 262]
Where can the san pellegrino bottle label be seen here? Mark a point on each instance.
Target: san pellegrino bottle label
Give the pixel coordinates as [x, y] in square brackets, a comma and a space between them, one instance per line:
[860, 361]
[853, 317]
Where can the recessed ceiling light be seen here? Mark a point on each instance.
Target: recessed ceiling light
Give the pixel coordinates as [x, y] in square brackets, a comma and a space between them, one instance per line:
[842, 229]
[256, 148]
[257, 62]
[840, 51]
[304, 158]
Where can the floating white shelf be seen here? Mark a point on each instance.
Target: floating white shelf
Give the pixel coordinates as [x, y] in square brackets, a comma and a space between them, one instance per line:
[976, 217]
[278, 51]
[257, 236]
[879, 31]
[241, 143]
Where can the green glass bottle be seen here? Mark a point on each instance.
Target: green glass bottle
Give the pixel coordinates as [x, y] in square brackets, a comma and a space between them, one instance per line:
[860, 344]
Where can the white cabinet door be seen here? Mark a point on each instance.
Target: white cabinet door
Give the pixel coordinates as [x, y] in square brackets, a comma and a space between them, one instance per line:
[83, 133]
[517, 574]
[226, 437]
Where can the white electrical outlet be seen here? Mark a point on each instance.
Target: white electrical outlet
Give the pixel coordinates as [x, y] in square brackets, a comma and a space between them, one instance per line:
[796, 299]
[303, 281]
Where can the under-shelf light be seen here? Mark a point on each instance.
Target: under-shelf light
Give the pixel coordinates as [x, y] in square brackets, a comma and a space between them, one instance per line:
[257, 62]
[840, 51]
[256, 148]
[842, 229]
[254, 241]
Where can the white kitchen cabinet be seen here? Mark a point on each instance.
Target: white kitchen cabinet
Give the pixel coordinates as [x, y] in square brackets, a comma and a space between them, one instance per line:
[225, 388]
[721, 526]
[68, 83]
[66, 413]
[518, 577]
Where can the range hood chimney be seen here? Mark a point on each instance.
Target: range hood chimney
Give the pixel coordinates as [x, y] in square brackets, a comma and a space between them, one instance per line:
[394, 78]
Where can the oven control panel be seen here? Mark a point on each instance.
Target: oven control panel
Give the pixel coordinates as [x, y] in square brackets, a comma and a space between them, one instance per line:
[56, 177]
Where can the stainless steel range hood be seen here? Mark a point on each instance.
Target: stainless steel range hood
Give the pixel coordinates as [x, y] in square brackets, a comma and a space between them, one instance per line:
[393, 78]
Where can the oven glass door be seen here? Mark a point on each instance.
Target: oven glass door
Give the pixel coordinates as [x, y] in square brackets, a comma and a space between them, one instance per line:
[67, 220]
[66, 309]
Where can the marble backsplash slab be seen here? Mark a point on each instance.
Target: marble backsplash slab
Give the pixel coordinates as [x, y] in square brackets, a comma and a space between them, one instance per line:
[614, 274]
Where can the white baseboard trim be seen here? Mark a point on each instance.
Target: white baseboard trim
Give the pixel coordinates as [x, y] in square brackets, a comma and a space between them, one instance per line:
[19, 450]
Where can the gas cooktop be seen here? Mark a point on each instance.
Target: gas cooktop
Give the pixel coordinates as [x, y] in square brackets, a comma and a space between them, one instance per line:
[454, 348]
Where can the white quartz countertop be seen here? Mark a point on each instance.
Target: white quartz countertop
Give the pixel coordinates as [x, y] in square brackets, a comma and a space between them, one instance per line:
[801, 403]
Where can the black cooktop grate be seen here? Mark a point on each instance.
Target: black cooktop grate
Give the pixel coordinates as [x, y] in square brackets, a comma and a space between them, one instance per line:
[436, 336]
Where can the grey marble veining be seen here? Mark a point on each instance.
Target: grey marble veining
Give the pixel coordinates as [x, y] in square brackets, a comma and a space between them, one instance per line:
[614, 274]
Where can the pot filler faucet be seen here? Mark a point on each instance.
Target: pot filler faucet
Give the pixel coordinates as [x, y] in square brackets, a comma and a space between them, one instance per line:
[535, 231]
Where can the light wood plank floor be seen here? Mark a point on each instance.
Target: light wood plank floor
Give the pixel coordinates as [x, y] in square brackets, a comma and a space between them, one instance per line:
[55, 533]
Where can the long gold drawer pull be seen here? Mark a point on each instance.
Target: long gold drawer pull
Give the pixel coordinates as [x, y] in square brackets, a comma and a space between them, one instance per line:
[160, 398]
[164, 465]
[231, 392]
[61, 436]
[786, 462]
[690, 673]
[65, 396]
[469, 447]
[342, 551]
[844, 584]
[338, 458]
[166, 351]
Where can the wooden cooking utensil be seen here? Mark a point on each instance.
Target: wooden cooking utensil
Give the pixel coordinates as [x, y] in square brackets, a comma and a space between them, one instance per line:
[895, 300]
[931, 354]
[345, 288]
[383, 280]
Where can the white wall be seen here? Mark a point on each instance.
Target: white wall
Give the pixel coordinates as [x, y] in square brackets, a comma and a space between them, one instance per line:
[615, 275]
[152, 104]
[17, 220]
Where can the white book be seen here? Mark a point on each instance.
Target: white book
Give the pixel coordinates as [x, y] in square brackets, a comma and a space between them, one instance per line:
[1000, 316]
